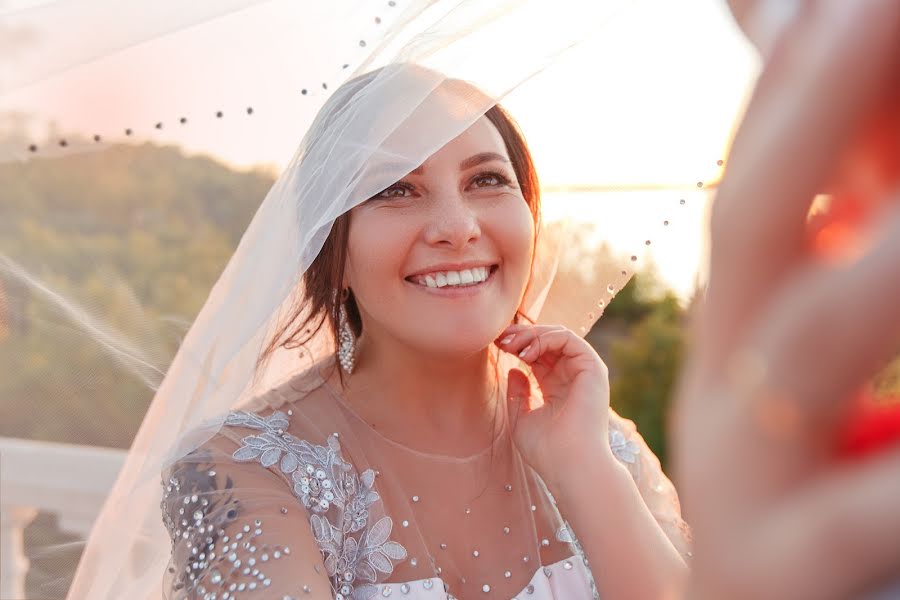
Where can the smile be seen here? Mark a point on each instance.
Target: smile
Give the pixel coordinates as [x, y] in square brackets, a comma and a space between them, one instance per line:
[469, 277]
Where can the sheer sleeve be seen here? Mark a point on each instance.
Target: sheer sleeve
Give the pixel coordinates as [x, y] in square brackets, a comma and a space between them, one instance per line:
[237, 531]
[656, 489]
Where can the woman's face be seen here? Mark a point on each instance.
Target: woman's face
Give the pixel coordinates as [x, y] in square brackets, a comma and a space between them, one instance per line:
[440, 259]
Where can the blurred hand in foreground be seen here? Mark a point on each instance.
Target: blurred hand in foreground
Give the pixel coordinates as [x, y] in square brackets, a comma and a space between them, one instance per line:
[784, 340]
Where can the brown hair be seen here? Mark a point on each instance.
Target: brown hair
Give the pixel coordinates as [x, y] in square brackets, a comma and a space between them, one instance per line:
[322, 281]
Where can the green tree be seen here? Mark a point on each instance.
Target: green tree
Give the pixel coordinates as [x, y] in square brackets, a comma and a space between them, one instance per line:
[646, 363]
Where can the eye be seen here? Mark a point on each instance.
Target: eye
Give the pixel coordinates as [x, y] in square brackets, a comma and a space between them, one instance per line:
[490, 179]
[401, 189]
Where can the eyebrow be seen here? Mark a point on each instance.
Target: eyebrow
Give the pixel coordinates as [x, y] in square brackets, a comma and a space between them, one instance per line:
[472, 161]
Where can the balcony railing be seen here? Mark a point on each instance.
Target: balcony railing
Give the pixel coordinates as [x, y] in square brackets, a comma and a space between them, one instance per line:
[66, 480]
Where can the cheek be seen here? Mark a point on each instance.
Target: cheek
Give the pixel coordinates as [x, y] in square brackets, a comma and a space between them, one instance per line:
[514, 233]
[376, 249]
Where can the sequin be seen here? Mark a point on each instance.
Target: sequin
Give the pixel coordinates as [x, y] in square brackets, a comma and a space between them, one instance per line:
[196, 527]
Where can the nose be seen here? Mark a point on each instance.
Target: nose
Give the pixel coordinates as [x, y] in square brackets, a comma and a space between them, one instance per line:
[453, 224]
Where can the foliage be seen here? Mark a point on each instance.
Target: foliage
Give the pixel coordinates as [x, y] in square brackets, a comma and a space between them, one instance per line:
[646, 364]
[125, 243]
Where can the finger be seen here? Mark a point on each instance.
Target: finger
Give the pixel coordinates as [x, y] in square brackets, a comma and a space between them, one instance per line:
[517, 338]
[785, 406]
[813, 96]
[848, 322]
[846, 530]
[518, 395]
[764, 21]
[553, 341]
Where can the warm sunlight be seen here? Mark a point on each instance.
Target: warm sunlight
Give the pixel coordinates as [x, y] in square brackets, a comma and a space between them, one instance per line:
[661, 112]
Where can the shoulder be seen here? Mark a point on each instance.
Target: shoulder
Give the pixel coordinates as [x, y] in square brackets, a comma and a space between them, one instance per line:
[220, 452]
[274, 450]
[346, 513]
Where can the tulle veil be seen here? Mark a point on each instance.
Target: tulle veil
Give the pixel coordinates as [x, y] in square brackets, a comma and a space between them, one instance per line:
[368, 90]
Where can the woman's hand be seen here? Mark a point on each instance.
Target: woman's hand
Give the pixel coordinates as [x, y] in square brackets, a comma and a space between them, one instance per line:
[784, 340]
[573, 419]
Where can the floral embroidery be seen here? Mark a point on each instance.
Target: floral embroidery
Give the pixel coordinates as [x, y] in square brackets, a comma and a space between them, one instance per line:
[625, 449]
[566, 535]
[327, 485]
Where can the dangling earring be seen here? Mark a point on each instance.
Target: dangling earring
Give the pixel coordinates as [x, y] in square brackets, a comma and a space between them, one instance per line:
[346, 339]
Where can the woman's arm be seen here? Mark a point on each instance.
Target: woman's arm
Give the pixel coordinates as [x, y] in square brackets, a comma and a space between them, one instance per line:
[565, 437]
[627, 518]
[236, 528]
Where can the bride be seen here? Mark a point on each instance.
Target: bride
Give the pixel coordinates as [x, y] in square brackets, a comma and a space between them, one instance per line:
[438, 442]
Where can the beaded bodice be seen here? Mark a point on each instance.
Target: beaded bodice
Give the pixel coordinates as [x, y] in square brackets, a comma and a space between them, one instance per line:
[295, 498]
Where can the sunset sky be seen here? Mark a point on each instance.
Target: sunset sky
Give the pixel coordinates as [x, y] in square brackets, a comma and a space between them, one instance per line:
[647, 103]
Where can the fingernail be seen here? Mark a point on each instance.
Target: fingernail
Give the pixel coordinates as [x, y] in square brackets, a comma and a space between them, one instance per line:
[768, 21]
[507, 339]
[526, 349]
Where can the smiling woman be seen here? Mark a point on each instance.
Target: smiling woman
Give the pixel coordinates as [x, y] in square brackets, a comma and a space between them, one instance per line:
[421, 460]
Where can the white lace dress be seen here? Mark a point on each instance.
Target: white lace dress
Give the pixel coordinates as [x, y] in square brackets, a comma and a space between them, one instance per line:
[297, 497]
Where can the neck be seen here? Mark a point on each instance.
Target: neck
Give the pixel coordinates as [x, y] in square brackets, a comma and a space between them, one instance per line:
[443, 403]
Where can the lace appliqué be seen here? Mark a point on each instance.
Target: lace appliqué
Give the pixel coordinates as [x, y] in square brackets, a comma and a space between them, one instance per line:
[566, 535]
[625, 449]
[337, 497]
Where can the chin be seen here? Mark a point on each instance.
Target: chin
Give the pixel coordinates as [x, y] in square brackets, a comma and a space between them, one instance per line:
[456, 338]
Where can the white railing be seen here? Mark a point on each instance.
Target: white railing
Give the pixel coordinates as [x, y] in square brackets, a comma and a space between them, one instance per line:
[67, 480]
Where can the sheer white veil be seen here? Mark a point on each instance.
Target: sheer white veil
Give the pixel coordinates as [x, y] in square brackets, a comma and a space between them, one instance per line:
[377, 90]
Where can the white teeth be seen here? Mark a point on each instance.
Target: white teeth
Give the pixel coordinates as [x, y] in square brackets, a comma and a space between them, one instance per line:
[471, 276]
